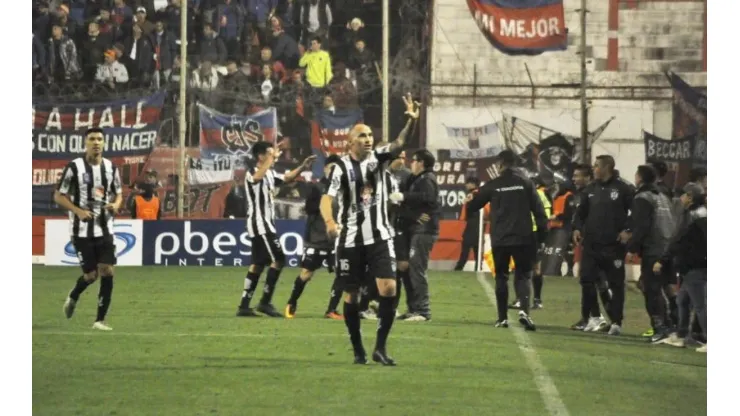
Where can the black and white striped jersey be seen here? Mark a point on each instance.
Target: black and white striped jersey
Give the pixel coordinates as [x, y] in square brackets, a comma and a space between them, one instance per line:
[260, 201]
[362, 190]
[90, 187]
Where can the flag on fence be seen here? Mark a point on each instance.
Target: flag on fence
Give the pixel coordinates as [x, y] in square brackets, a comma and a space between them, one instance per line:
[231, 135]
[208, 171]
[521, 27]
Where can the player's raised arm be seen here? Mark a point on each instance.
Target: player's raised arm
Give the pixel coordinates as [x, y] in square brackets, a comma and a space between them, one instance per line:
[293, 174]
[412, 112]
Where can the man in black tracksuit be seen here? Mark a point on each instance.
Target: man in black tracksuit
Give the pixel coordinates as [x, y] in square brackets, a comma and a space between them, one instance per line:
[419, 222]
[513, 200]
[318, 248]
[471, 233]
[652, 225]
[601, 226]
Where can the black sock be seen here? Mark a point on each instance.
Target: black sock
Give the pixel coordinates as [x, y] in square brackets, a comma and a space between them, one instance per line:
[272, 277]
[298, 287]
[502, 298]
[406, 279]
[334, 296]
[537, 282]
[386, 316]
[523, 290]
[104, 295]
[352, 321]
[364, 298]
[250, 285]
[80, 287]
[399, 287]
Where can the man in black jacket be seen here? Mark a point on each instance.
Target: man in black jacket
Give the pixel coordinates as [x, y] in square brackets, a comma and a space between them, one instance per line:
[419, 218]
[513, 200]
[601, 226]
[689, 249]
[652, 228]
[318, 248]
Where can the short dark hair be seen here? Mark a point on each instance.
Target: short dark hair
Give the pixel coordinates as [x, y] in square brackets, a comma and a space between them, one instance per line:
[697, 174]
[317, 39]
[260, 148]
[332, 159]
[647, 173]
[660, 167]
[472, 180]
[92, 130]
[584, 169]
[607, 160]
[507, 158]
[425, 157]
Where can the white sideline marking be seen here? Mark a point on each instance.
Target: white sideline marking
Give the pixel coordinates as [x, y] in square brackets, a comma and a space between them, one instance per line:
[549, 393]
[282, 334]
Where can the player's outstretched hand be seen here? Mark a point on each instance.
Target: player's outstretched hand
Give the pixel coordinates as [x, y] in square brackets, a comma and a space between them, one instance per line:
[307, 162]
[412, 107]
[112, 207]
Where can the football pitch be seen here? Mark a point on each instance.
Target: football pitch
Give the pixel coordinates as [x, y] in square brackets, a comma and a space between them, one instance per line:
[177, 348]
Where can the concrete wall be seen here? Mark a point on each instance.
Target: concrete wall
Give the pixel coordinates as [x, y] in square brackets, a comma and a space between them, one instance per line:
[652, 36]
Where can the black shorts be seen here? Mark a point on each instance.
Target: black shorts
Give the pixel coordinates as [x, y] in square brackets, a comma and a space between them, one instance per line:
[356, 264]
[314, 259]
[402, 244]
[266, 250]
[523, 256]
[94, 251]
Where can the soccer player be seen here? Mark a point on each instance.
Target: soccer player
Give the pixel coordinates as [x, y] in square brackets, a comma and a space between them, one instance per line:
[90, 189]
[260, 182]
[365, 234]
[318, 247]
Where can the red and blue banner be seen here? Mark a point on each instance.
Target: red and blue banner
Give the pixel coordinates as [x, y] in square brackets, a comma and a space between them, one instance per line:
[231, 135]
[131, 129]
[522, 27]
[329, 133]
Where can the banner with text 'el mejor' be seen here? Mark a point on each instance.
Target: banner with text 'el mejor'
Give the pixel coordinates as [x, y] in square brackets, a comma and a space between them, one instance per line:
[131, 128]
[521, 27]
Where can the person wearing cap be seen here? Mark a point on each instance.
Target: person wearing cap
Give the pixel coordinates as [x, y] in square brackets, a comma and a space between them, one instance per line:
[689, 252]
[111, 73]
[653, 225]
[146, 26]
[513, 201]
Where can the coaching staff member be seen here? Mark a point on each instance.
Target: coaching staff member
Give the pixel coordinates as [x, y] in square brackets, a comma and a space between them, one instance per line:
[601, 226]
[420, 200]
[513, 200]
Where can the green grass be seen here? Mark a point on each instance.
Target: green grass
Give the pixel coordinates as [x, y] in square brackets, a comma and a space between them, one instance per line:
[178, 349]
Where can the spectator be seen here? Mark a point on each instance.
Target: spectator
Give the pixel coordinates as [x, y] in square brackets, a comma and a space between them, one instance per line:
[38, 58]
[235, 85]
[93, 48]
[268, 84]
[229, 19]
[69, 26]
[62, 56]
[146, 26]
[342, 91]
[95, 7]
[42, 23]
[77, 11]
[288, 14]
[355, 31]
[212, 47]
[108, 27]
[284, 47]
[140, 64]
[315, 20]
[266, 58]
[122, 15]
[165, 48]
[318, 65]
[112, 73]
[205, 78]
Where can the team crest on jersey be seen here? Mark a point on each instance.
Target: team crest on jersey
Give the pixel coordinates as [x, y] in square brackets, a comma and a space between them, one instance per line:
[614, 194]
[372, 166]
[618, 264]
[85, 178]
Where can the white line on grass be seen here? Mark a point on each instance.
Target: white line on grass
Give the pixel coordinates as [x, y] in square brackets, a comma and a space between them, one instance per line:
[549, 393]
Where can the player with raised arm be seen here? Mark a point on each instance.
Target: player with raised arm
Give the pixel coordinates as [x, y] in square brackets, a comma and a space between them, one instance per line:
[260, 183]
[364, 232]
[90, 189]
